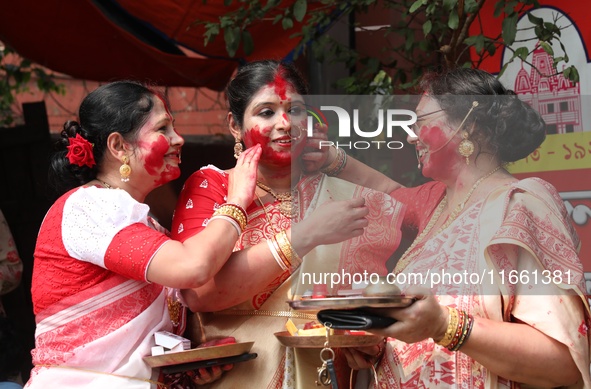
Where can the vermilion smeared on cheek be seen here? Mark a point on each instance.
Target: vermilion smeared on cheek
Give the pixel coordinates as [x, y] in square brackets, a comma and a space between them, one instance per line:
[442, 156]
[433, 137]
[269, 154]
[169, 174]
[154, 159]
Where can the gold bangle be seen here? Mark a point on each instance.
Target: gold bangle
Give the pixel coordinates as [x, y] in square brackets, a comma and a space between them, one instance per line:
[282, 255]
[452, 325]
[233, 212]
[293, 256]
[336, 166]
[276, 255]
[285, 246]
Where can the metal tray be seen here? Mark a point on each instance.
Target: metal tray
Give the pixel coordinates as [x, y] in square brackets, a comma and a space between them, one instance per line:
[198, 354]
[368, 339]
[351, 303]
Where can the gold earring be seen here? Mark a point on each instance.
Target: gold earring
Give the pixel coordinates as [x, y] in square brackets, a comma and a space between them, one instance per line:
[238, 149]
[125, 169]
[466, 147]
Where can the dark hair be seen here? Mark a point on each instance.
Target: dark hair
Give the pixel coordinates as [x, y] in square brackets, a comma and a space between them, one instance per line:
[121, 106]
[12, 356]
[504, 125]
[252, 77]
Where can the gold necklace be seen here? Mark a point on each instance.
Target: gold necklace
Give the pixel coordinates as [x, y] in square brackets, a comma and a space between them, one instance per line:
[105, 184]
[405, 258]
[267, 215]
[284, 199]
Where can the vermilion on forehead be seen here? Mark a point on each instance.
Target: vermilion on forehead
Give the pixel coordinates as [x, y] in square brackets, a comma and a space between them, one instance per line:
[165, 107]
[281, 86]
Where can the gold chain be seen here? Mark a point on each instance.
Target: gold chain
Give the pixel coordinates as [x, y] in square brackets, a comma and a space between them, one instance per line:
[105, 184]
[267, 216]
[405, 259]
[284, 199]
[262, 312]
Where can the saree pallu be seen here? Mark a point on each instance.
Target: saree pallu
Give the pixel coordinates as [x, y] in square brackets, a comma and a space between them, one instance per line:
[520, 229]
[118, 315]
[277, 366]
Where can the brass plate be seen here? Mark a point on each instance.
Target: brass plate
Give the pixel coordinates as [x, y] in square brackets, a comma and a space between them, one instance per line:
[198, 354]
[351, 302]
[336, 341]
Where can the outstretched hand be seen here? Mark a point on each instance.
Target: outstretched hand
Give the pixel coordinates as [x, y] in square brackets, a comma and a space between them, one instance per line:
[242, 180]
[332, 222]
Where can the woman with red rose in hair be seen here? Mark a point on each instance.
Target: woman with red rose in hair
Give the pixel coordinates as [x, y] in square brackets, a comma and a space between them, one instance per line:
[105, 273]
[106, 276]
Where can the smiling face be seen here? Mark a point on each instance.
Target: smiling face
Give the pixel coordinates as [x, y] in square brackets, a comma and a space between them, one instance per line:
[437, 145]
[158, 150]
[275, 114]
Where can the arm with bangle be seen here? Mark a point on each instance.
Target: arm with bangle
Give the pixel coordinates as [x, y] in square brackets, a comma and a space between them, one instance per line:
[339, 164]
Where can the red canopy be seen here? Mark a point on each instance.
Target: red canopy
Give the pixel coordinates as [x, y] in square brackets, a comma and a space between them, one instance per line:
[103, 40]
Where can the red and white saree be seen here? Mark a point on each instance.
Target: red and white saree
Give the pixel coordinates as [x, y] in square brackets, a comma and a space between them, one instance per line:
[95, 311]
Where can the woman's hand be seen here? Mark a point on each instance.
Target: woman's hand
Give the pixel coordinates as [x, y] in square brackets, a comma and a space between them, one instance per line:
[423, 319]
[360, 358]
[242, 180]
[331, 222]
[317, 155]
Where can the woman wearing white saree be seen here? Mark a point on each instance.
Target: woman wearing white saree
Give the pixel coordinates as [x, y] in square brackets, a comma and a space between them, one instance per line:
[106, 277]
[103, 274]
[512, 311]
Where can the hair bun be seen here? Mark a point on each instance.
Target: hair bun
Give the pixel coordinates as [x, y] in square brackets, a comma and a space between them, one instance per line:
[520, 129]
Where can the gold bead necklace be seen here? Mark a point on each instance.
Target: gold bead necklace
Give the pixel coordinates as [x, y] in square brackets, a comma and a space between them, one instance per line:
[283, 198]
[406, 257]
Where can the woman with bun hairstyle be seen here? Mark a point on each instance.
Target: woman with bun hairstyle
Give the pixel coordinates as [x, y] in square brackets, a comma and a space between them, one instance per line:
[351, 229]
[512, 311]
[105, 273]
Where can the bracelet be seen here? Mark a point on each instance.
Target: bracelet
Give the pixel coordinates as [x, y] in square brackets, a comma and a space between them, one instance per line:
[466, 330]
[287, 248]
[337, 166]
[233, 211]
[452, 324]
[276, 255]
[285, 257]
[229, 219]
[458, 330]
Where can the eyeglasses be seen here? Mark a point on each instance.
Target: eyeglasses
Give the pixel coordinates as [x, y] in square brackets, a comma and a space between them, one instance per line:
[415, 126]
[428, 114]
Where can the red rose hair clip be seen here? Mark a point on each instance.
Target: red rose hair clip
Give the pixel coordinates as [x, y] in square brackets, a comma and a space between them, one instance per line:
[80, 152]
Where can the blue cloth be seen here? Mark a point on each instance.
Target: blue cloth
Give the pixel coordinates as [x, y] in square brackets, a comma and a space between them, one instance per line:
[10, 385]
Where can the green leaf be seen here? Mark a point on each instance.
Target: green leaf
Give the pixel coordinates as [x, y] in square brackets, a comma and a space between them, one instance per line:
[509, 29]
[454, 20]
[287, 23]
[553, 28]
[566, 72]
[416, 5]
[247, 43]
[227, 3]
[522, 53]
[574, 74]
[449, 5]
[535, 20]
[470, 6]
[277, 18]
[427, 27]
[491, 48]
[232, 37]
[547, 48]
[299, 10]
